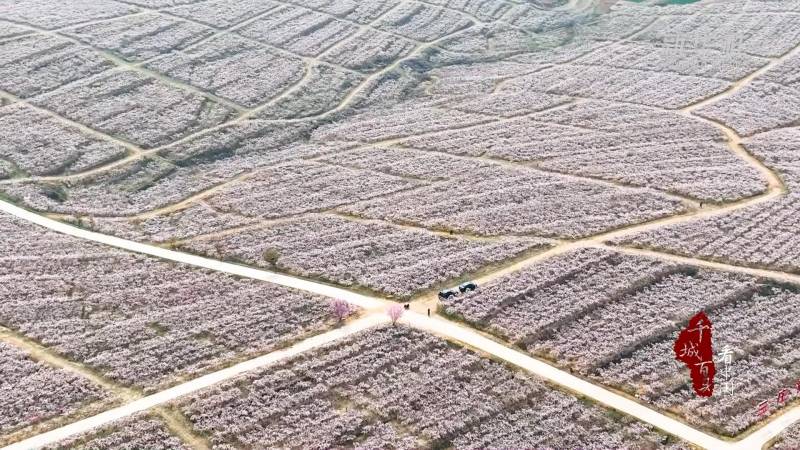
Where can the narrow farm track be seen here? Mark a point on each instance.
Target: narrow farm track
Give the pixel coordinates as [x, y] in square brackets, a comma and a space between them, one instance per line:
[179, 426]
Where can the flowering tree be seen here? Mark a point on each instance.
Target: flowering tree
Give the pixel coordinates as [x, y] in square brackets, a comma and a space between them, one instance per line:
[340, 309]
[395, 312]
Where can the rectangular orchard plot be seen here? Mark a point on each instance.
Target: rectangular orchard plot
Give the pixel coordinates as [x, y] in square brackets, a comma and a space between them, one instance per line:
[504, 201]
[34, 393]
[714, 173]
[134, 107]
[402, 162]
[488, 10]
[662, 89]
[393, 387]
[141, 37]
[138, 432]
[42, 13]
[223, 13]
[758, 107]
[32, 65]
[244, 146]
[762, 34]
[509, 104]
[370, 50]
[235, 68]
[422, 22]
[196, 220]
[178, 173]
[38, 144]
[124, 190]
[764, 235]
[137, 320]
[359, 11]
[667, 57]
[519, 139]
[380, 257]
[578, 128]
[299, 30]
[299, 187]
[324, 89]
[390, 123]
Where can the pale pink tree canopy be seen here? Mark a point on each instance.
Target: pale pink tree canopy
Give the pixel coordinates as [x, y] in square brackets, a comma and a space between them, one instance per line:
[395, 312]
[340, 309]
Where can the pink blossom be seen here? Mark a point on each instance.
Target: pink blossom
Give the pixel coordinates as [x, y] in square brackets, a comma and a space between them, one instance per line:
[395, 312]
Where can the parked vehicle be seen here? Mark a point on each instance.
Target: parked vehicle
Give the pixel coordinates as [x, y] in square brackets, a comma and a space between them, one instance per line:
[467, 287]
[447, 294]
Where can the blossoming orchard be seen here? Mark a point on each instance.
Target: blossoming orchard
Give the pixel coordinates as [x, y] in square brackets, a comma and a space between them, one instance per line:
[399, 224]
